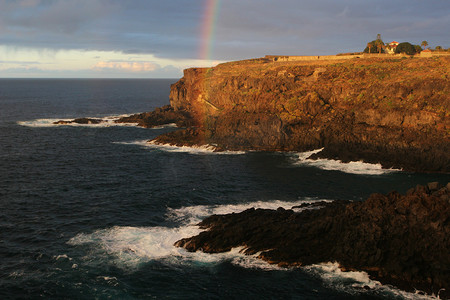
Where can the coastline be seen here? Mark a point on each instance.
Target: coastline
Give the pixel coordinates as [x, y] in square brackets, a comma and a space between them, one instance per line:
[397, 239]
[372, 110]
[348, 110]
[380, 111]
[201, 128]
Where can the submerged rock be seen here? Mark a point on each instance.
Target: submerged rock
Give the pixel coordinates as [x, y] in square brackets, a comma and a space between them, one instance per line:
[403, 240]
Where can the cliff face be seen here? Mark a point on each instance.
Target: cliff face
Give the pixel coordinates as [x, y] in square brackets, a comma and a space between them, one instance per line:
[393, 111]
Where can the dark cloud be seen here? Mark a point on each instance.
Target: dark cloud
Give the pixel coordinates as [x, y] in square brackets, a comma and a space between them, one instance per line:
[327, 27]
[245, 28]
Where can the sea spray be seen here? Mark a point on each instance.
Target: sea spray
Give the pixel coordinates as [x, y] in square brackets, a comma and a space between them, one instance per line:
[129, 247]
[106, 121]
[353, 167]
[358, 282]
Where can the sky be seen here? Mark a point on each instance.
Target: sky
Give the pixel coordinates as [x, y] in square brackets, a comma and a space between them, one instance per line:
[160, 38]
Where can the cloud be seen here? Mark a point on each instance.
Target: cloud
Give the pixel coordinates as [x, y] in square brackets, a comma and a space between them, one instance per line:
[171, 31]
[20, 62]
[126, 66]
[29, 3]
[53, 16]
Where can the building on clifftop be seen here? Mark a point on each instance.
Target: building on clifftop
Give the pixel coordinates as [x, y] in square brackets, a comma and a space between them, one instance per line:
[390, 48]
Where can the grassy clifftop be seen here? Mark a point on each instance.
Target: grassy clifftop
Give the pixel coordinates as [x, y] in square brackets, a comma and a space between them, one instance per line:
[287, 89]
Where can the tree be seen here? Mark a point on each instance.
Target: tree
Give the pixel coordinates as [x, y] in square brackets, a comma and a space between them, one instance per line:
[406, 48]
[373, 47]
[418, 48]
[380, 47]
[424, 44]
[438, 48]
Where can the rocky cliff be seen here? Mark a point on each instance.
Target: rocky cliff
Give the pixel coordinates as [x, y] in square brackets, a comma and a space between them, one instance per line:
[389, 111]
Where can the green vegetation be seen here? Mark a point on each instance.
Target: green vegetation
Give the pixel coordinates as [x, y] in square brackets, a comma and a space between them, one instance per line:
[375, 46]
[406, 48]
[418, 48]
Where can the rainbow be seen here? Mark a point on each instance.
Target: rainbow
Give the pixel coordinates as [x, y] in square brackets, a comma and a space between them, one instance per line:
[208, 28]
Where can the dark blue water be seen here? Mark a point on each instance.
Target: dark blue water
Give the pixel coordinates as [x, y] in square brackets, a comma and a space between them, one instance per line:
[90, 212]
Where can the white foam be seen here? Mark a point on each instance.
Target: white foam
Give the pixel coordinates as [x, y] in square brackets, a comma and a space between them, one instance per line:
[353, 167]
[169, 125]
[111, 280]
[62, 256]
[194, 214]
[17, 274]
[204, 149]
[107, 121]
[129, 247]
[355, 282]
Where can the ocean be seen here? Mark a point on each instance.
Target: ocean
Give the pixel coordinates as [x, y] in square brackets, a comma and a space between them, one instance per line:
[92, 211]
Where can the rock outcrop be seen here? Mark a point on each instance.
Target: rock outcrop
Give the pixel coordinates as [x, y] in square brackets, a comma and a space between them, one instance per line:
[398, 239]
[79, 121]
[160, 116]
[389, 111]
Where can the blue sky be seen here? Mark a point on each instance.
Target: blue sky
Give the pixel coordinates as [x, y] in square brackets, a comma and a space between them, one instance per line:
[159, 38]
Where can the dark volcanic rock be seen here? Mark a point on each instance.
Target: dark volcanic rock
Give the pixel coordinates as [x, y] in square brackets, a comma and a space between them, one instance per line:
[355, 110]
[160, 116]
[80, 121]
[398, 239]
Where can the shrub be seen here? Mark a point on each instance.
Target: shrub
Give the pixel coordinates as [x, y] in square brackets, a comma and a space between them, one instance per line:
[406, 48]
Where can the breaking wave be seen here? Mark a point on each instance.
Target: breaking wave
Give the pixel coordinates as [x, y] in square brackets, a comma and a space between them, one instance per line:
[357, 282]
[107, 121]
[353, 167]
[206, 149]
[129, 247]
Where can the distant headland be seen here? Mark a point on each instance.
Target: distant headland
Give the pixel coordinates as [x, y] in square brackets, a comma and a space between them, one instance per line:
[388, 110]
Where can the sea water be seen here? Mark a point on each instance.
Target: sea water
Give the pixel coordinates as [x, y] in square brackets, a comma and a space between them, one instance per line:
[92, 211]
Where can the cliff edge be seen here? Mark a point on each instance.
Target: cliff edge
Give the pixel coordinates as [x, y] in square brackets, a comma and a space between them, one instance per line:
[389, 111]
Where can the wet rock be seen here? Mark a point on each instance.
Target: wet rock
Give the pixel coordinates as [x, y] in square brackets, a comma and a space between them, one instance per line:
[311, 205]
[160, 116]
[398, 239]
[433, 186]
[80, 121]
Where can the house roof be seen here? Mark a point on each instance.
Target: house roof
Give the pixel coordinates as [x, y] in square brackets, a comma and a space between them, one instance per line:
[393, 44]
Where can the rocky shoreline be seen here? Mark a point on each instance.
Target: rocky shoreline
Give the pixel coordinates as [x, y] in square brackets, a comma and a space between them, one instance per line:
[393, 112]
[401, 240]
[389, 111]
